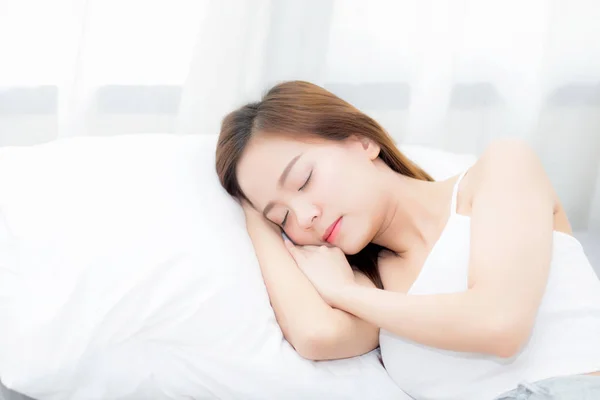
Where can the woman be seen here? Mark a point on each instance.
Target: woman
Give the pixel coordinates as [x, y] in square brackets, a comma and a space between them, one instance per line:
[472, 286]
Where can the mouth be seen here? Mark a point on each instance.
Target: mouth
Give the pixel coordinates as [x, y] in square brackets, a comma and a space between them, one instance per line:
[333, 230]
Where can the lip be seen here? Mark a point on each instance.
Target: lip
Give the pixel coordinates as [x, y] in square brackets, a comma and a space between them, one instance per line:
[327, 236]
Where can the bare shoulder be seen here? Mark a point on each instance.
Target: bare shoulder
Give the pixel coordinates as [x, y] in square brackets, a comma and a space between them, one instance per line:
[511, 164]
[506, 159]
[505, 163]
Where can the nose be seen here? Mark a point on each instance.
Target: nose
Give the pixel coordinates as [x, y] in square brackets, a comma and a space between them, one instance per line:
[306, 214]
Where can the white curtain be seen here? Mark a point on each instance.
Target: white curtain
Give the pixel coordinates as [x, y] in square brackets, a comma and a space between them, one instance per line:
[452, 74]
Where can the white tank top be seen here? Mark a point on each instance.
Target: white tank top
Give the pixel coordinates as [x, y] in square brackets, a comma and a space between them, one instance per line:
[565, 338]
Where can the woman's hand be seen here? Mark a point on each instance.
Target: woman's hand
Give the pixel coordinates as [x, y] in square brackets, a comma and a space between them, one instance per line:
[325, 267]
[315, 329]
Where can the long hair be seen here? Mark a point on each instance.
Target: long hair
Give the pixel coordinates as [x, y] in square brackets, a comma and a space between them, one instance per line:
[298, 108]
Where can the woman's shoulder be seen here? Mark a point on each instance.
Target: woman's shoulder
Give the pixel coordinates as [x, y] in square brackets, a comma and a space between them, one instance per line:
[505, 157]
[505, 165]
[503, 161]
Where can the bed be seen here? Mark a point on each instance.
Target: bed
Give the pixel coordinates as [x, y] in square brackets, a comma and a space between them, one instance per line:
[126, 272]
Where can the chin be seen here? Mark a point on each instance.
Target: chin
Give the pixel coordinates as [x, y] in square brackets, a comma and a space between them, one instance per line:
[351, 249]
[352, 246]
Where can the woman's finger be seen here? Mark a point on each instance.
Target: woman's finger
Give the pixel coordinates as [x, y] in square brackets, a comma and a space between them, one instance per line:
[310, 248]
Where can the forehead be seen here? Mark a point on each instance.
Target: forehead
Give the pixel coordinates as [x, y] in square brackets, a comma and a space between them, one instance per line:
[265, 158]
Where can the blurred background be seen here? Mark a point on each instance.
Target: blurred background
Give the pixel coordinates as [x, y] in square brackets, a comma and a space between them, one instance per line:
[450, 74]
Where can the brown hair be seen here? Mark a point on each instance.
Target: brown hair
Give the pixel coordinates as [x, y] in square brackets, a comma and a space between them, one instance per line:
[301, 108]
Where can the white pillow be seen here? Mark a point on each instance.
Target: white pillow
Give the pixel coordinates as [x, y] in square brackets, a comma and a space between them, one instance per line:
[126, 272]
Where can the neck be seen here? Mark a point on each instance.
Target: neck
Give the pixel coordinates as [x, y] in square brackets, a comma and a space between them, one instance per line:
[416, 212]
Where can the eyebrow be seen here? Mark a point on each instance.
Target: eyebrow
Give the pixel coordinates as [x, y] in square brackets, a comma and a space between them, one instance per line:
[281, 181]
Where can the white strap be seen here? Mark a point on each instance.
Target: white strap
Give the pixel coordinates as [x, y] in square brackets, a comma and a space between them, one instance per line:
[455, 192]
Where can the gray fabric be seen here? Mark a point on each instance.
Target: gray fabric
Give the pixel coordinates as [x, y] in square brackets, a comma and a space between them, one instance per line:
[591, 245]
[565, 388]
[7, 394]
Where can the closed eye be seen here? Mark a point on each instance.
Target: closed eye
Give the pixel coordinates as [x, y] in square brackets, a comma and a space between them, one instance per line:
[306, 182]
[285, 219]
[287, 213]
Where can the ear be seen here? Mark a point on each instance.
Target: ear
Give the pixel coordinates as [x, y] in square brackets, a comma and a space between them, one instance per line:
[369, 146]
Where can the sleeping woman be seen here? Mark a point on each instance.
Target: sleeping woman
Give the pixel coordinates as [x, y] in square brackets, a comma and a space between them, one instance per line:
[473, 287]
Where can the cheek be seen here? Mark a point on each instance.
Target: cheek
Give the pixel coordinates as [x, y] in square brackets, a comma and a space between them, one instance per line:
[340, 189]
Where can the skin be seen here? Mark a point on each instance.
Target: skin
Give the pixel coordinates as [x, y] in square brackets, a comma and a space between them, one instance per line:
[513, 210]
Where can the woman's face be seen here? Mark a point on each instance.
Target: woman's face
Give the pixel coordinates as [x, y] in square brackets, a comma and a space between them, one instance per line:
[318, 191]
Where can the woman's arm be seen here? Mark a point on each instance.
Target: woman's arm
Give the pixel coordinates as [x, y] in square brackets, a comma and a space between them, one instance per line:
[511, 242]
[316, 330]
